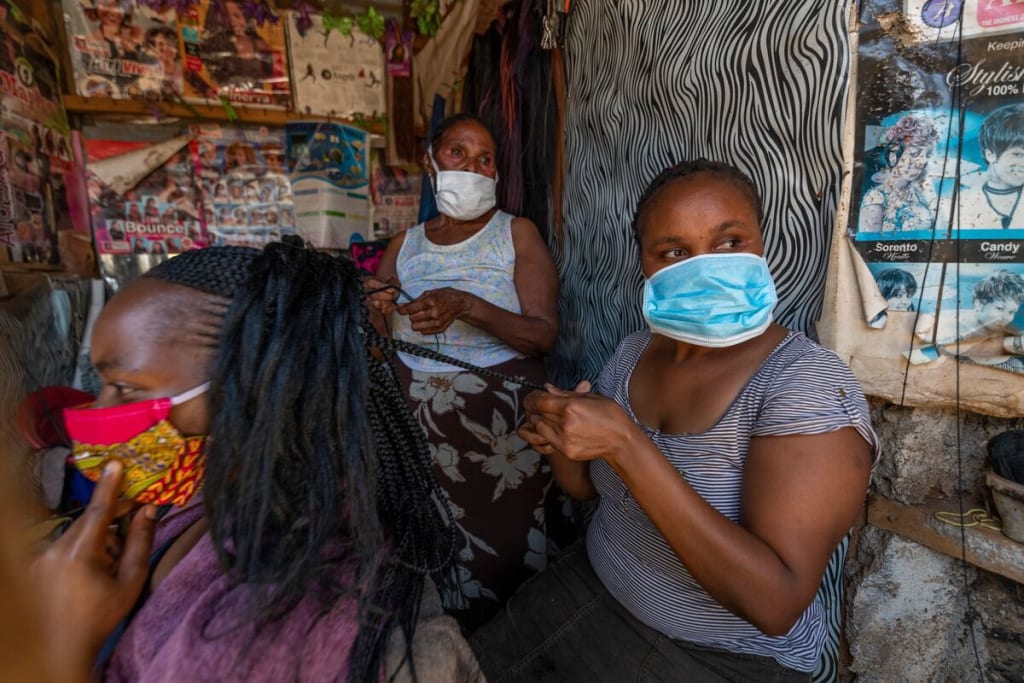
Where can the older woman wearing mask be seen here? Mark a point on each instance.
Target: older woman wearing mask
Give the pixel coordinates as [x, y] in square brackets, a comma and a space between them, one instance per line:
[477, 284]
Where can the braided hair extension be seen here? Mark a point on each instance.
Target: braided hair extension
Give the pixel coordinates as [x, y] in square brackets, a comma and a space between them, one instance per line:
[689, 169]
[304, 476]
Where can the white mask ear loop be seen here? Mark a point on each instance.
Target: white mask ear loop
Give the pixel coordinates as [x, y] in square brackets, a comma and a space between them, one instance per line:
[190, 394]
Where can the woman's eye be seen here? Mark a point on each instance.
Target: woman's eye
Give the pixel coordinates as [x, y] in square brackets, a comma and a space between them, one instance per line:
[732, 243]
[675, 253]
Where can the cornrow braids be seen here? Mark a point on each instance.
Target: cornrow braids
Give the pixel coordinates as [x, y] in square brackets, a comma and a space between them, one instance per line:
[215, 270]
[689, 169]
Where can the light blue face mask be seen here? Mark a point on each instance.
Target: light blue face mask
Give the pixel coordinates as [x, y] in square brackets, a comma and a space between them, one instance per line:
[714, 300]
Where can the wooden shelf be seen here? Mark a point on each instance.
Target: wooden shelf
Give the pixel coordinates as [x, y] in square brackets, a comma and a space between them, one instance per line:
[986, 548]
[246, 115]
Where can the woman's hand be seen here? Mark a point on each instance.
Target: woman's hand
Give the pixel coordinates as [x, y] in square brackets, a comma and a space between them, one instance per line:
[88, 579]
[573, 476]
[381, 293]
[577, 424]
[433, 311]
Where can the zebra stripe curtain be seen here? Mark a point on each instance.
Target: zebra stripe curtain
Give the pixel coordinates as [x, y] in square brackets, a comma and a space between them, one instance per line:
[760, 84]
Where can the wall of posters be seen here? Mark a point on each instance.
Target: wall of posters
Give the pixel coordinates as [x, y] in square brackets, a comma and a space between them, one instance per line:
[334, 74]
[123, 49]
[243, 182]
[936, 222]
[233, 50]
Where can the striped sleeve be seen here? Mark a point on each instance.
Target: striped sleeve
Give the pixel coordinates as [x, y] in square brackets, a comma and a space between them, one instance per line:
[815, 393]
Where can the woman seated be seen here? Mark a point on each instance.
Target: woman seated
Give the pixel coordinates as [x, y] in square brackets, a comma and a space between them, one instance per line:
[729, 456]
[298, 521]
[482, 289]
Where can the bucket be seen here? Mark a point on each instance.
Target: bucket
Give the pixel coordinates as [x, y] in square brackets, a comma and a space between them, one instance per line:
[1008, 497]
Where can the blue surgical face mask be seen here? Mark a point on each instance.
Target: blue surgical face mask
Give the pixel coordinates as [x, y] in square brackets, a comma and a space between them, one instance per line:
[714, 300]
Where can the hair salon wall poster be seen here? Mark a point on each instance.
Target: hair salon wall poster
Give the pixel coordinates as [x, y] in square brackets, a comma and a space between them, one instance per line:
[331, 181]
[123, 49]
[237, 50]
[142, 197]
[34, 143]
[934, 248]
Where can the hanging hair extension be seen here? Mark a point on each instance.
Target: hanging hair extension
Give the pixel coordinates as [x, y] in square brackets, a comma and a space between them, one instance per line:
[304, 422]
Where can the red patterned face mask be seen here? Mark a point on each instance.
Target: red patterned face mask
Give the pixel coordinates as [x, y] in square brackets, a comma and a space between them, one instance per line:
[160, 465]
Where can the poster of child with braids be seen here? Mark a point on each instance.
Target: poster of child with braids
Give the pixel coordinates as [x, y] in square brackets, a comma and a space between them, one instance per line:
[244, 184]
[937, 221]
[158, 215]
[123, 49]
[236, 50]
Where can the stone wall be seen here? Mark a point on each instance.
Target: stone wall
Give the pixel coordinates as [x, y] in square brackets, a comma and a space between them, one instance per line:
[914, 614]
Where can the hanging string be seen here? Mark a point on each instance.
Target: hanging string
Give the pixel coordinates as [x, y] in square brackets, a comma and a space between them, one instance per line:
[374, 338]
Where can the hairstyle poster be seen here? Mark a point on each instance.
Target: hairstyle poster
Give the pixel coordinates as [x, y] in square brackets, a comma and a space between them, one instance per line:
[334, 74]
[123, 49]
[235, 49]
[936, 223]
[156, 211]
[330, 177]
[398, 47]
[243, 179]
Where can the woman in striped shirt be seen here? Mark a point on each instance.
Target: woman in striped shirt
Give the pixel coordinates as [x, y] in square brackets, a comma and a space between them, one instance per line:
[728, 455]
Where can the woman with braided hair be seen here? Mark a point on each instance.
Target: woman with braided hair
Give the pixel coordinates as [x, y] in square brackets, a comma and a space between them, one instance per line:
[291, 528]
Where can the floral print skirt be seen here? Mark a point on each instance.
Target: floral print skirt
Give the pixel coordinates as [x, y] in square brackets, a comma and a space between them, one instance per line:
[498, 487]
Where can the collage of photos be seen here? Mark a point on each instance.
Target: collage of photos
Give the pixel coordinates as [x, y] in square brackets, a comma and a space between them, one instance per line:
[233, 50]
[157, 216]
[937, 215]
[35, 145]
[124, 49]
[246, 194]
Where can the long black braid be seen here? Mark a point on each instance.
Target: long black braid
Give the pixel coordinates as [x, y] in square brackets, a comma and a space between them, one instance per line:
[314, 461]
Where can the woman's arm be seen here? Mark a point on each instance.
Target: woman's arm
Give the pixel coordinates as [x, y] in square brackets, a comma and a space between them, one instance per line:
[532, 332]
[800, 496]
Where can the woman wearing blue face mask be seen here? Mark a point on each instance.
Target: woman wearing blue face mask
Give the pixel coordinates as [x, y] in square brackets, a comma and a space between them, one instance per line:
[728, 457]
[479, 285]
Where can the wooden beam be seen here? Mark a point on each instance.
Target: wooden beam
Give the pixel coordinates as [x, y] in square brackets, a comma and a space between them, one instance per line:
[213, 113]
[986, 549]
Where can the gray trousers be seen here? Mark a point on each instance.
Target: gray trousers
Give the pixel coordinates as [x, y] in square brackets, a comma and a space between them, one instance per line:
[562, 625]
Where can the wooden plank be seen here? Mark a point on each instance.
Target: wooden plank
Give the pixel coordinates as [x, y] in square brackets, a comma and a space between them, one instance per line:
[213, 113]
[986, 549]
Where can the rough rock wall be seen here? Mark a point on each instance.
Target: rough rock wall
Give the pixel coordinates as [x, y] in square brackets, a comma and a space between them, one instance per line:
[918, 615]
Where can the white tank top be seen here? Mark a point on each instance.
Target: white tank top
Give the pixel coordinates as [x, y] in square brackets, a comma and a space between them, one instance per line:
[483, 265]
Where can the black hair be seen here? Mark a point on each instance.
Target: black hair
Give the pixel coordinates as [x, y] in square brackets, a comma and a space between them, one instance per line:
[1002, 129]
[454, 120]
[314, 461]
[891, 280]
[689, 169]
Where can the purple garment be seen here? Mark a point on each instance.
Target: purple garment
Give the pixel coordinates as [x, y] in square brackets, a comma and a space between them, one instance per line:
[194, 627]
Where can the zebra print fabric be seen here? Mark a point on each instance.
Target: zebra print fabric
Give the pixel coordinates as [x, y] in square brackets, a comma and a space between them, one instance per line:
[760, 84]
